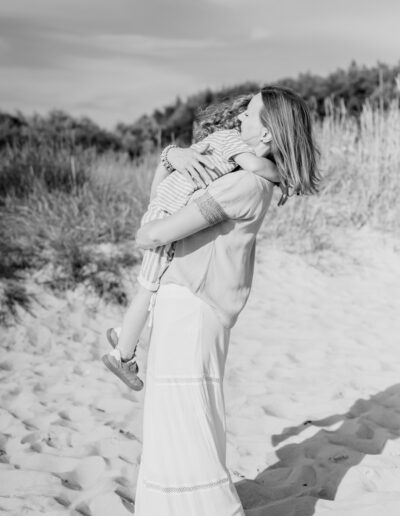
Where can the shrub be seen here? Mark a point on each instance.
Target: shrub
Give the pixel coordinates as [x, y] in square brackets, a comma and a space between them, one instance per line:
[65, 230]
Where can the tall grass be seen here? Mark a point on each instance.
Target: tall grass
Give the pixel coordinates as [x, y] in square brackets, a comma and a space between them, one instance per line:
[77, 221]
[79, 226]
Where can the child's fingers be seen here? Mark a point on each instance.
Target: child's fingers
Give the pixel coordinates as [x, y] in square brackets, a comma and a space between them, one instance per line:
[205, 160]
[196, 177]
[203, 173]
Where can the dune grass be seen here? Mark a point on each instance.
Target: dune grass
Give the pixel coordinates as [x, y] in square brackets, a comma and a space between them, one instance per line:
[78, 231]
[77, 221]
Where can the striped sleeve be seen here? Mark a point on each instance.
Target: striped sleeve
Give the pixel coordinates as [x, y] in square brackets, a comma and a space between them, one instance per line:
[232, 144]
[199, 145]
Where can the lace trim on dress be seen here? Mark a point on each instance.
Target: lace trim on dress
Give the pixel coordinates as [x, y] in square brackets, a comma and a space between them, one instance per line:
[187, 380]
[183, 489]
[210, 209]
[184, 379]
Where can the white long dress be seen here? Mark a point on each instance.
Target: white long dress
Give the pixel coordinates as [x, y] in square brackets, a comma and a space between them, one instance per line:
[183, 465]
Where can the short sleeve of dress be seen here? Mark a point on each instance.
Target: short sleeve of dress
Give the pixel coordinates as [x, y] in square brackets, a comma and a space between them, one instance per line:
[233, 196]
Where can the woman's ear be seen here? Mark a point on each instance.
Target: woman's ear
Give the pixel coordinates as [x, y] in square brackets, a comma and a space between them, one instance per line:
[266, 136]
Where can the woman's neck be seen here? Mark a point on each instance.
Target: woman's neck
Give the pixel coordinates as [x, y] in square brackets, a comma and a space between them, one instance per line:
[262, 149]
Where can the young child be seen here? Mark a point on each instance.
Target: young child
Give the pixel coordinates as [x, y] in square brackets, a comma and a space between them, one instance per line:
[227, 152]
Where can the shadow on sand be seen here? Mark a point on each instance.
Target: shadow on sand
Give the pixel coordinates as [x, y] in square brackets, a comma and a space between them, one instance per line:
[313, 469]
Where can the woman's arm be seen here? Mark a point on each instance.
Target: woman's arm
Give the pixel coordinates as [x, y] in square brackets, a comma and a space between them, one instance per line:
[185, 222]
[233, 196]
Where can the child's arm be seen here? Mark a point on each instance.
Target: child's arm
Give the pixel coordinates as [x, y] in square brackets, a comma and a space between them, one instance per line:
[258, 165]
[192, 163]
[188, 162]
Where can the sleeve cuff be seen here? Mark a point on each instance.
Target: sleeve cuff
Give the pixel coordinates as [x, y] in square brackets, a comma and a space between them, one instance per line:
[210, 209]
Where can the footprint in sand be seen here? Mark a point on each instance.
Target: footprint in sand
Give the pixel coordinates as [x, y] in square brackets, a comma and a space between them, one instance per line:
[389, 419]
[284, 482]
[85, 474]
[364, 431]
[43, 462]
[76, 414]
[111, 504]
[28, 483]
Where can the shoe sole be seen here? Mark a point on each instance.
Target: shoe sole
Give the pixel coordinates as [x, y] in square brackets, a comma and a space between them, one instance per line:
[136, 387]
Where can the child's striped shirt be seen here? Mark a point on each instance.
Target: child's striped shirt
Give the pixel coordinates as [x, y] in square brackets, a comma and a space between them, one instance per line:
[174, 192]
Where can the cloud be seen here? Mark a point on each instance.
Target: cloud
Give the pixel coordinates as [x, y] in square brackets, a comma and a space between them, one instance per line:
[116, 60]
[229, 3]
[36, 44]
[151, 43]
[164, 18]
[106, 90]
[110, 75]
[259, 34]
[135, 44]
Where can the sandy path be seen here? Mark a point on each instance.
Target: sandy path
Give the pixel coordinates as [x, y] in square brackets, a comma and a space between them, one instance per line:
[312, 395]
[313, 383]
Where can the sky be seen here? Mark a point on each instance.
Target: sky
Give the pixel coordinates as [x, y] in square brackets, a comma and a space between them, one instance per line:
[114, 60]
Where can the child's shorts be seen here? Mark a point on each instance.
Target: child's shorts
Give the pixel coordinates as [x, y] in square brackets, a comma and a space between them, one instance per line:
[155, 263]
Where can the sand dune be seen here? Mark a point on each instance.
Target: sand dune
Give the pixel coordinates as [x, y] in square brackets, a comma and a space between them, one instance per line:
[312, 391]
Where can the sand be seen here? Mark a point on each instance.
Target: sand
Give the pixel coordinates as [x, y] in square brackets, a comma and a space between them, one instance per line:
[312, 391]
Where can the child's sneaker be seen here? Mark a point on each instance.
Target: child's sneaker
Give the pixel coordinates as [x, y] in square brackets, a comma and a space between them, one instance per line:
[126, 371]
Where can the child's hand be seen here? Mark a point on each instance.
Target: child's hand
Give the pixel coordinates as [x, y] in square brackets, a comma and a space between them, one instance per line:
[190, 163]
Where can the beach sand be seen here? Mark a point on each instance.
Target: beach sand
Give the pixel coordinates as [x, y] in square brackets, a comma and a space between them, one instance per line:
[312, 393]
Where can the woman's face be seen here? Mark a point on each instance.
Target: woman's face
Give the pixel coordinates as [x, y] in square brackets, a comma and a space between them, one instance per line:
[251, 127]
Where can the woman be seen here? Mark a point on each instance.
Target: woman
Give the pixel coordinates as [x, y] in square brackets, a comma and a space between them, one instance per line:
[183, 467]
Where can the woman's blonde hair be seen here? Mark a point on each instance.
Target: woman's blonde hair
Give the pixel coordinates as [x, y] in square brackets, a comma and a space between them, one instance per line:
[286, 115]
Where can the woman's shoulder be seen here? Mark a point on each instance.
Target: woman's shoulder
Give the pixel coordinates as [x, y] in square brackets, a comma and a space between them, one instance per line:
[246, 180]
[240, 194]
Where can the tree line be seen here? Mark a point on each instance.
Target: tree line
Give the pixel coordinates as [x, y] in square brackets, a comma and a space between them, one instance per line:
[344, 90]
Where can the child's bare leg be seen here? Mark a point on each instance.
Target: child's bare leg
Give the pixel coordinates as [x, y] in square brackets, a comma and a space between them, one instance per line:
[133, 322]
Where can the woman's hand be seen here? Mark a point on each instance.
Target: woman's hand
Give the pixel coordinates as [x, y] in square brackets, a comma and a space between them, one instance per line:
[191, 163]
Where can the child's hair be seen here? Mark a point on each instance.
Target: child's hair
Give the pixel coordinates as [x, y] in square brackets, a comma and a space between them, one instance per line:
[222, 115]
[286, 115]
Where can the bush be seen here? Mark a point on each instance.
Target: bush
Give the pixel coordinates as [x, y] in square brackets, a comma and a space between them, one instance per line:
[64, 230]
